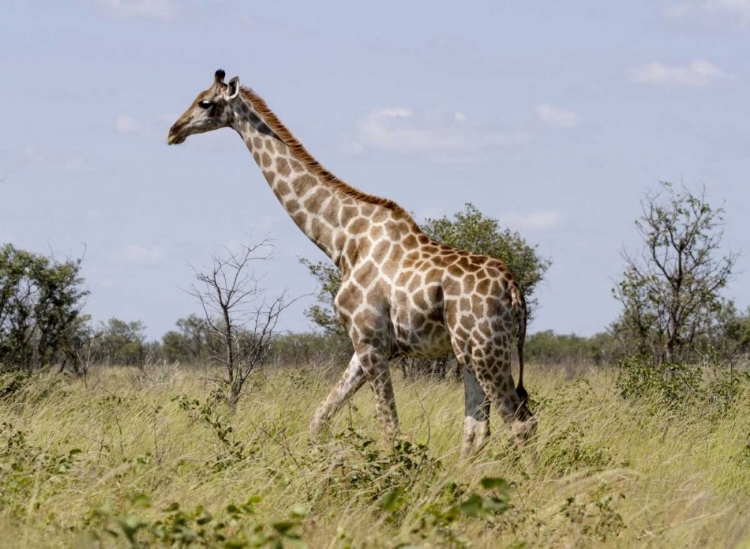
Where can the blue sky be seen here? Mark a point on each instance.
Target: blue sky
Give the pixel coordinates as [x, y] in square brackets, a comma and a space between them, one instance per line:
[552, 117]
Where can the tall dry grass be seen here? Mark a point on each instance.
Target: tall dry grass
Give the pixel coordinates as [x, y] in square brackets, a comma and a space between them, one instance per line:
[78, 460]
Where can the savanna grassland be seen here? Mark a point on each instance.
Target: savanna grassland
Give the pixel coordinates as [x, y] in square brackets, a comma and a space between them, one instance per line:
[151, 458]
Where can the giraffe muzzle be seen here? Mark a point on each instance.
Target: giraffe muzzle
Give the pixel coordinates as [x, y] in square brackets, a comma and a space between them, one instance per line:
[175, 136]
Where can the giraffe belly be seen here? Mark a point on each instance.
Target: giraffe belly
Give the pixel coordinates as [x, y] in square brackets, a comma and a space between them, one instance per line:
[418, 336]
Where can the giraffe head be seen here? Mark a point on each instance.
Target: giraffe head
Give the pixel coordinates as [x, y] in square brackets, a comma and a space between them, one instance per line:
[209, 111]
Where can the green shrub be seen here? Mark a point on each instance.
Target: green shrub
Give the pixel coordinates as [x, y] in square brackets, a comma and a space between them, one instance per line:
[672, 385]
[566, 451]
[596, 518]
[364, 471]
[229, 450]
[29, 474]
[236, 527]
[713, 384]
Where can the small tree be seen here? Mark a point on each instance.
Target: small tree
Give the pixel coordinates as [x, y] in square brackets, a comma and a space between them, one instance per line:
[238, 314]
[121, 343]
[192, 342]
[670, 292]
[40, 308]
[729, 332]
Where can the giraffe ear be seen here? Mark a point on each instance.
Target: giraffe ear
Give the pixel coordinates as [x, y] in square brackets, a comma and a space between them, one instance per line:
[233, 88]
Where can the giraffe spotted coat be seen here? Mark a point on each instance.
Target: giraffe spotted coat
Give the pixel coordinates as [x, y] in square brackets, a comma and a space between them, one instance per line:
[402, 294]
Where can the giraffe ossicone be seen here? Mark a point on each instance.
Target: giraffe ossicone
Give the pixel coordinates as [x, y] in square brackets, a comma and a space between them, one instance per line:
[402, 294]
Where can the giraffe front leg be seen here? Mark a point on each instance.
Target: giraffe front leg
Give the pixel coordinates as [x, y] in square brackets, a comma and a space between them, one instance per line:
[477, 415]
[351, 380]
[375, 366]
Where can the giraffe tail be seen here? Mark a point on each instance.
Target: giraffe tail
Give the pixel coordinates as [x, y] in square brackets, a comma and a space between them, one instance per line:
[522, 319]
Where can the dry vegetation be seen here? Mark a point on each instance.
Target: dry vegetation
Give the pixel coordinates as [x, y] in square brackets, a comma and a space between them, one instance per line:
[102, 463]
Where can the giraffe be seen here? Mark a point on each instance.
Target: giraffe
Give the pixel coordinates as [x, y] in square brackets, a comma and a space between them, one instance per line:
[402, 294]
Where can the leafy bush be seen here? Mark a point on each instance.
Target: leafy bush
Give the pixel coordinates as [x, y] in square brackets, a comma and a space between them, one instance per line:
[229, 450]
[236, 528]
[566, 451]
[11, 383]
[596, 519]
[28, 474]
[362, 470]
[712, 383]
[442, 517]
[672, 385]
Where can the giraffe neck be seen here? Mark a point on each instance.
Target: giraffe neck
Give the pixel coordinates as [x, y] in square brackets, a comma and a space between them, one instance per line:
[331, 213]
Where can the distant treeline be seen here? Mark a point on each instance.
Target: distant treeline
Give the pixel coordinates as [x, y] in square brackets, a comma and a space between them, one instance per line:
[673, 311]
[192, 342]
[118, 342]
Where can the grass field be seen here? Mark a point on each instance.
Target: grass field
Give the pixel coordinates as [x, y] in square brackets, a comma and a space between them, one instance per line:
[102, 463]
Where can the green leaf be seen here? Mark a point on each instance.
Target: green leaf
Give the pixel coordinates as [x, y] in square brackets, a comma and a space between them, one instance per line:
[495, 505]
[494, 483]
[282, 526]
[141, 500]
[472, 506]
[391, 502]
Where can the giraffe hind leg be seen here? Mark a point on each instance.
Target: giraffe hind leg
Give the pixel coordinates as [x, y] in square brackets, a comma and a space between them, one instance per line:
[494, 376]
[477, 415]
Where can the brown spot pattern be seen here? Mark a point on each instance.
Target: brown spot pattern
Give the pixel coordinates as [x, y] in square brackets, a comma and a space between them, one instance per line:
[401, 293]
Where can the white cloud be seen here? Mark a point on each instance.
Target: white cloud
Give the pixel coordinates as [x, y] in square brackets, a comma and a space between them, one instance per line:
[140, 255]
[429, 213]
[126, 124]
[397, 129]
[139, 9]
[77, 165]
[351, 146]
[31, 153]
[538, 220]
[556, 117]
[400, 129]
[107, 283]
[93, 214]
[738, 11]
[697, 73]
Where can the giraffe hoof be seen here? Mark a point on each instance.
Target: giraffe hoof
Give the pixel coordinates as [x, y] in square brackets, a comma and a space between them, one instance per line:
[523, 431]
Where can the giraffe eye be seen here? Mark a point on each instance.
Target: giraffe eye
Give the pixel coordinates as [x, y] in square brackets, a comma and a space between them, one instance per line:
[205, 104]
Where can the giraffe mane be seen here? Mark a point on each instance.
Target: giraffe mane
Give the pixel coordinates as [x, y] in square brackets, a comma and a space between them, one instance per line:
[272, 121]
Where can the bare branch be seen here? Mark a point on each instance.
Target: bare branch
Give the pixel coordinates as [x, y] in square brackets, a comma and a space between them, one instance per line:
[238, 314]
